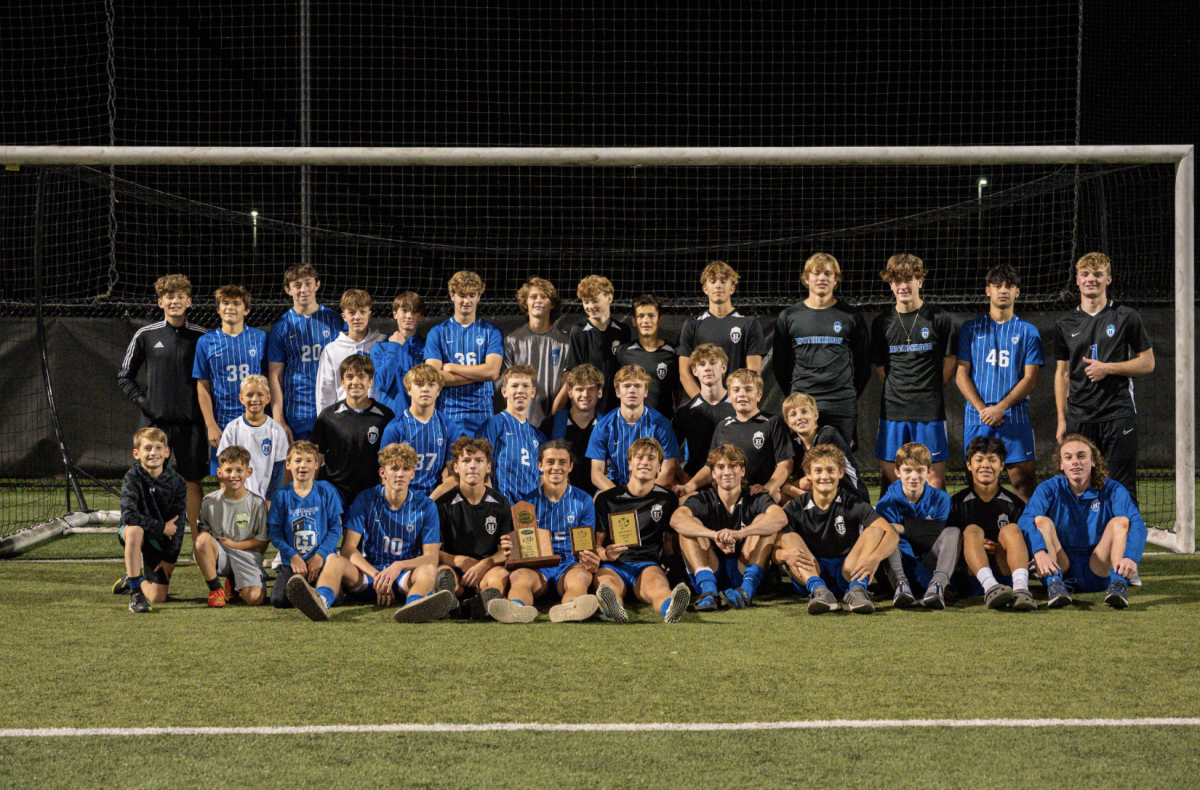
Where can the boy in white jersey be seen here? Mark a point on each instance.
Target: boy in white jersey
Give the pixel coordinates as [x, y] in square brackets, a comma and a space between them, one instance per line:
[260, 435]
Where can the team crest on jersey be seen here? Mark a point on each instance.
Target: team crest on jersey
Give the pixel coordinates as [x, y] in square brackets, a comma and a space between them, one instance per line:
[1110, 330]
[266, 446]
[1016, 338]
[570, 518]
[409, 527]
[839, 524]
[656, 512]
[555, 356]
[479, 341]
[439, 441]
[1096, 506]
[326, 333]
[759, 440]
[372, 434]
[1002, 520]
[837, 326]
[662, 370]
[253, 352]
[489, 524]
[924, 333]
[735, 334]
[242, 520]
[616, 345]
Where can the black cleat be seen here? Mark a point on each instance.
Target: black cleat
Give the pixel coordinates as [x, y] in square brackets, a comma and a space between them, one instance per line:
[477, 607]
[138, 603]
[121, 587]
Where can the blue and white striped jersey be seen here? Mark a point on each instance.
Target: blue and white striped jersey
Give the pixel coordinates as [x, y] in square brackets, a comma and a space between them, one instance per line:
[431, 440]
[297, 341]
[393, 534]
[998, 354]
[574, 509]
[612, 436]
[392, 361]
[514, 454]
[450, 341]
[225, 360]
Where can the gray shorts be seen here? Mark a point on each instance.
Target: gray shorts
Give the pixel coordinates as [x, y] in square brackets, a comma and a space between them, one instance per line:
[244, 567]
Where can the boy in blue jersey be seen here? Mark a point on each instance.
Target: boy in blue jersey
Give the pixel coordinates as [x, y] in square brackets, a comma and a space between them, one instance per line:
[294, 352]
[224, 357]
[514, 441]
[469, 352]
[1083, 528]
[999, 359]
[305, 521]
[560, 507]
[390, 552]
[427, 430]
[928, 550]
[403, 350]
[608, 447]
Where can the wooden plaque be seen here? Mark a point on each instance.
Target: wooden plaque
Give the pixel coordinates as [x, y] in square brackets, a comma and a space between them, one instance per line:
[532, 546]
[583, 539]
[623, 529]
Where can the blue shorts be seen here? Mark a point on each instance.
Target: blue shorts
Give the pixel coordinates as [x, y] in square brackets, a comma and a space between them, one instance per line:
[1079, 577]
[553, 574]
[893, 435]
[366, 594]
[629, 571]
[728, 574]
[831, 574]
[1018, 439]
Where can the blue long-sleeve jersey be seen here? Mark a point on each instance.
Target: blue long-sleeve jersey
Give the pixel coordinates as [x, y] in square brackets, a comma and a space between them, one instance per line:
[933, 505]
[305, 525]
[1080, 519]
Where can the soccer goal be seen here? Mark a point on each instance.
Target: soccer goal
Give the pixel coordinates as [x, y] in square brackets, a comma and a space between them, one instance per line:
[101, 223]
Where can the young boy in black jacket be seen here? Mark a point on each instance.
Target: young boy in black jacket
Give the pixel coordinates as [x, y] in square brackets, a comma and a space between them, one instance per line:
[153, 517]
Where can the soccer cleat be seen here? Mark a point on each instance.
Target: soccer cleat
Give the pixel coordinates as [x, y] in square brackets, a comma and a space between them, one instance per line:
[1056, 591]
[477, 607]
[216, 599]
[446, 580]
[934, 598]
[706, 603]
[1136, 581]
[434, 606]
[231, 595]
[736, 598]
[858, 600]
[1117, 594]
[610, 604]
[998, 597]
[582, 608]
[680, 597]
[822, 600]
[503, 610]
[1023, 601]
[903, 598]
[121, 586]
[302, 596]
[138, 603]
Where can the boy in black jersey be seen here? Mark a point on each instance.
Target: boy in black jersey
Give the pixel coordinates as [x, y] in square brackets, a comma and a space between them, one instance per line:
[654, 355]
[696, 420]
[596, 340]
[762, 437]
[993, 544]
[833, 538]
[801, 415]
[574, 424]
[1100, 348]
[739, 336]
[638, 567]
[726, 533]
[348, 433]
[913, 349]
[473, 517]
[823, 347]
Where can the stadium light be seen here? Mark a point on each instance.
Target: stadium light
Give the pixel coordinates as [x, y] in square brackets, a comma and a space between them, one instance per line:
[254, 225]
[979, 185]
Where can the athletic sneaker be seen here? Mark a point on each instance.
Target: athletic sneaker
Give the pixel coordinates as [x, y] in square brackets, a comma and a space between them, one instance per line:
[822, 600]
[231, 595]
[708, 602]
[735, 598]
[582, 608]
[216, 599]
[1023, 601]
[446, 580]
[138, 603]
[1056, 591]
[610, 604]
[302, 596]
[477, 607]
[858, 600]
[1136, 581]
[503, 610]
[1117, 594]
[998, 597]
[904, 598]
[434, 606]
[934, 598]
[680, 597]
[121, 587]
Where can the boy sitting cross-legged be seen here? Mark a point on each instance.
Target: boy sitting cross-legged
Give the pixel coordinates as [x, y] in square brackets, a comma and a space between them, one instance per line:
[726, 533]
[638, 568]
[305, 521]
[390, 552]
[232, 533]
[833, 538]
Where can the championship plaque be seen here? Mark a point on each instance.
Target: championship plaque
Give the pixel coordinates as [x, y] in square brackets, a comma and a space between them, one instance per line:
[623, 529]
[583, 539]
[531, 546]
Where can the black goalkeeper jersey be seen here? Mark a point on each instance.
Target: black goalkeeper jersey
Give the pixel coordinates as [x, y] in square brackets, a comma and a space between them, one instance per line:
[739, 336]
[825, 353]
[832, 532]
[707, 507]
[473, 530]
[663, 366]
[911, 348]
[350, 442]
[763, 438]
[967, 508]
[694, 425]
[1115, 334]
[654, 511]
[588, 344]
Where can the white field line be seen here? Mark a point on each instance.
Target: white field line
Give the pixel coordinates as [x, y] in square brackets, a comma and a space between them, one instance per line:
[849, 724]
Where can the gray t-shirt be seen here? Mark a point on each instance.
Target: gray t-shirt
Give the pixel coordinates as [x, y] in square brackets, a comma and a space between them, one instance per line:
[546, 354]
[236, 519]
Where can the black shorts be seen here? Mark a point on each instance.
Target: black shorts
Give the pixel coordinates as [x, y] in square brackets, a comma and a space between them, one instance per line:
[154, 552]
[189, 449]
[1117, 440]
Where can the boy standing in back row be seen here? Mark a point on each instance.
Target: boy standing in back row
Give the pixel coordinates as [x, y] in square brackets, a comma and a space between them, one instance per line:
[739, 336]
[358, 338]
[403, 350]
[540, 345]
[597, 340]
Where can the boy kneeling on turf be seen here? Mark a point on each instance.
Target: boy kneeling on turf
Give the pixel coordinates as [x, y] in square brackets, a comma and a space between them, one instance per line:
[390, 552]
[1083, 528]
[638, 568]
[153, 515]
[833, 538]
[232, 533]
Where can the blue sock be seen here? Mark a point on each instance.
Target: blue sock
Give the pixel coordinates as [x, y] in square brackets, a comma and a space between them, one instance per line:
[665, 606]
[814, 584]
[135, 582]
[327, 594]
[412, 598]
[860, 583]
[1114, 576]
[369, 582]
[518, 601]
[706, 580]
[1052, 577]
[751, 578]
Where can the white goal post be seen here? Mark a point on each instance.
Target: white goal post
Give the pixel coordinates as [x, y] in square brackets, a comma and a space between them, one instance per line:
[1181, 540]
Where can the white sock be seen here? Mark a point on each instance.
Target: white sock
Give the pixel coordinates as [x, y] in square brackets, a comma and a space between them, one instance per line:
[986, 578]
[1021, 579]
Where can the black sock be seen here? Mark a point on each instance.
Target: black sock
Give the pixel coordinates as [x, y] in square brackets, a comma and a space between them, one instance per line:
[213, 584]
